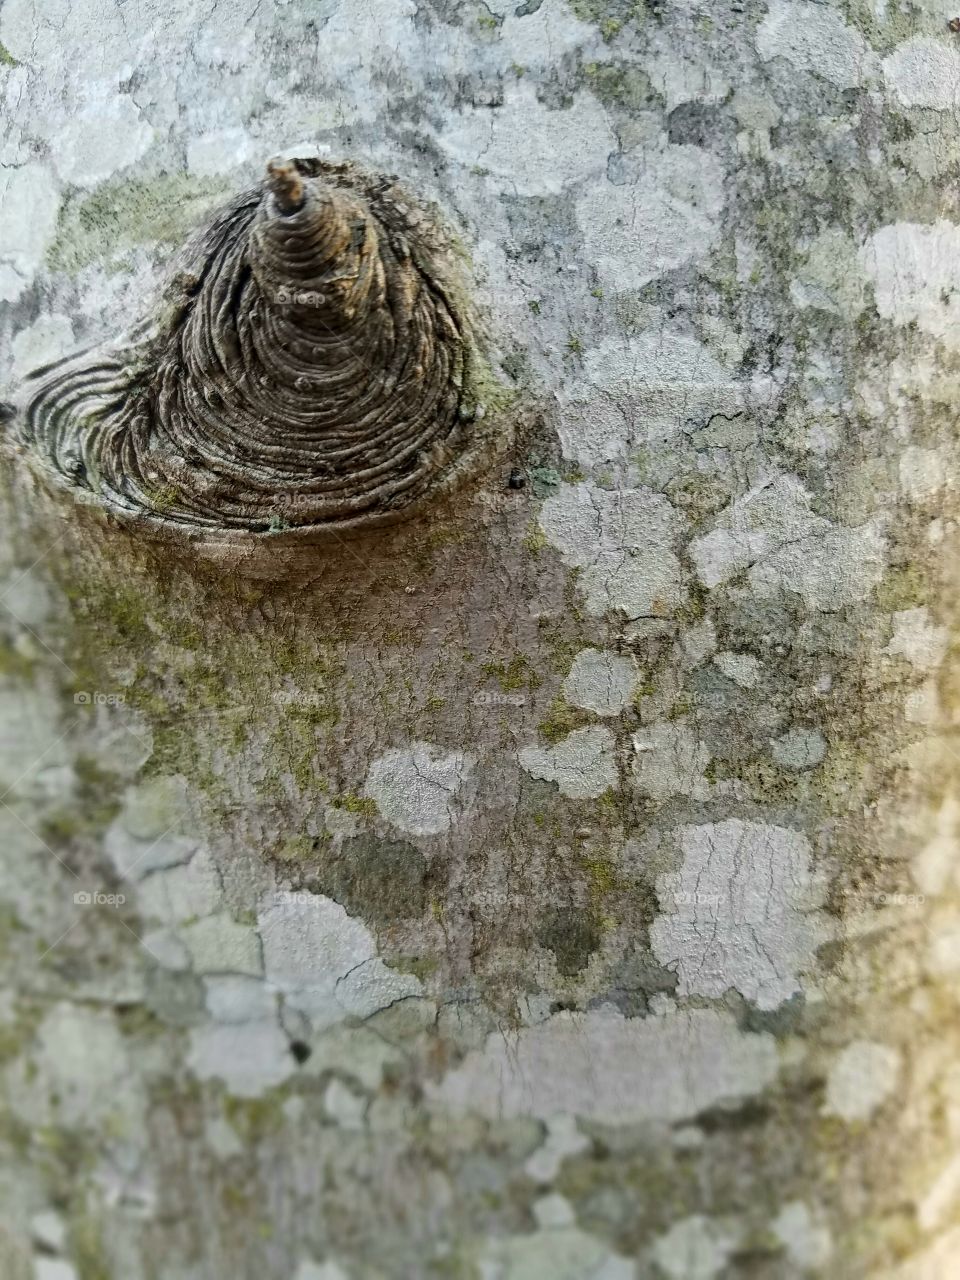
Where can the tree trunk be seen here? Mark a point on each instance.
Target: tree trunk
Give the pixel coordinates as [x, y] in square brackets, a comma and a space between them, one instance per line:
[562, 883]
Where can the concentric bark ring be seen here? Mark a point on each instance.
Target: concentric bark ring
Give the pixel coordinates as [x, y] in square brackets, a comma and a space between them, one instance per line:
[311, 371]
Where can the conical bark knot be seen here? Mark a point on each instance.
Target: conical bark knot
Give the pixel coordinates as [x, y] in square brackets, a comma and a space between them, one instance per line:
[308, 371]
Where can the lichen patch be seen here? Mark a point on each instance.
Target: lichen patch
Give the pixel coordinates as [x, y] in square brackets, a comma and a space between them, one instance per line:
[415, 787]
[741, 912]
[615, 1070]
[583, 764]
[623, 541]
[816, 39]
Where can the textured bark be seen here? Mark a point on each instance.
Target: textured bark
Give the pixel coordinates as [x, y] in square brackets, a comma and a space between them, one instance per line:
[563, 883]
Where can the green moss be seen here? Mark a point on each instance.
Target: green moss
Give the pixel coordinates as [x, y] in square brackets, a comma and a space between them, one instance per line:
[255, 1118]
[610, 16]
[518, 673]
[485, 389]
[381, 881]
[560, 720]
[88, 1252]
[620, 84]
[363, 806]
[904, 588]
[888, 26]
[535, 539]
[6, 57]
[105, 224]
[420, 966]
[602, 876]
[572, 935]
[694, 608]
[137, 1020]
[682, 706]
[15, 664]
[296, 849]
[561, 646]
[117, 614]
[644, 689]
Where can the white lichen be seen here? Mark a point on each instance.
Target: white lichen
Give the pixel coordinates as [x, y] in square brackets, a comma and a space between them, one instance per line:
[600, 682]
[667, 216]
[918, 639]
[862, 1077]
[560, 146]
[799, 748]
[813, 37]
[583, 764]
[772, 533]
[695, 1248]
[669, 761]
[924, 73]
[915, 272]
[325, 962]
[615, 1070]
[740, 914]
[415, 787]
[623, 541]
[646, 389]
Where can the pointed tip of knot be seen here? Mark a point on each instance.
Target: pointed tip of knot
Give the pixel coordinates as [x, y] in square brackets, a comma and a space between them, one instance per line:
[286, 184]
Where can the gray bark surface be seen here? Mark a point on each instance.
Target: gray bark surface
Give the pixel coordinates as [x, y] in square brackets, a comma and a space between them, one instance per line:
[562, 884]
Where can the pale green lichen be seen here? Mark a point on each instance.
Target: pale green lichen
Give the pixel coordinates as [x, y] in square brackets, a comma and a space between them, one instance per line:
[104, 225]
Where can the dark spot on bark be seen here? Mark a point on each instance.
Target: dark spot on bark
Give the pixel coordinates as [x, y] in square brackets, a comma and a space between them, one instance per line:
[572, 935]
[301, 1051]
[695, 124]
[378, 880]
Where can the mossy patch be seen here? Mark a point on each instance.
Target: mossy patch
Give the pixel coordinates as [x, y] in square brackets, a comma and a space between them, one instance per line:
[378, 880]
[560, 720]
[572, 935]
[518, 673]
[610, 16]
[16, 664]
[618, 84]
[103, 225]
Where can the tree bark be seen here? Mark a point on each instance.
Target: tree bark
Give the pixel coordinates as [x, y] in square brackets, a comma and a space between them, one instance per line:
[563, 883]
